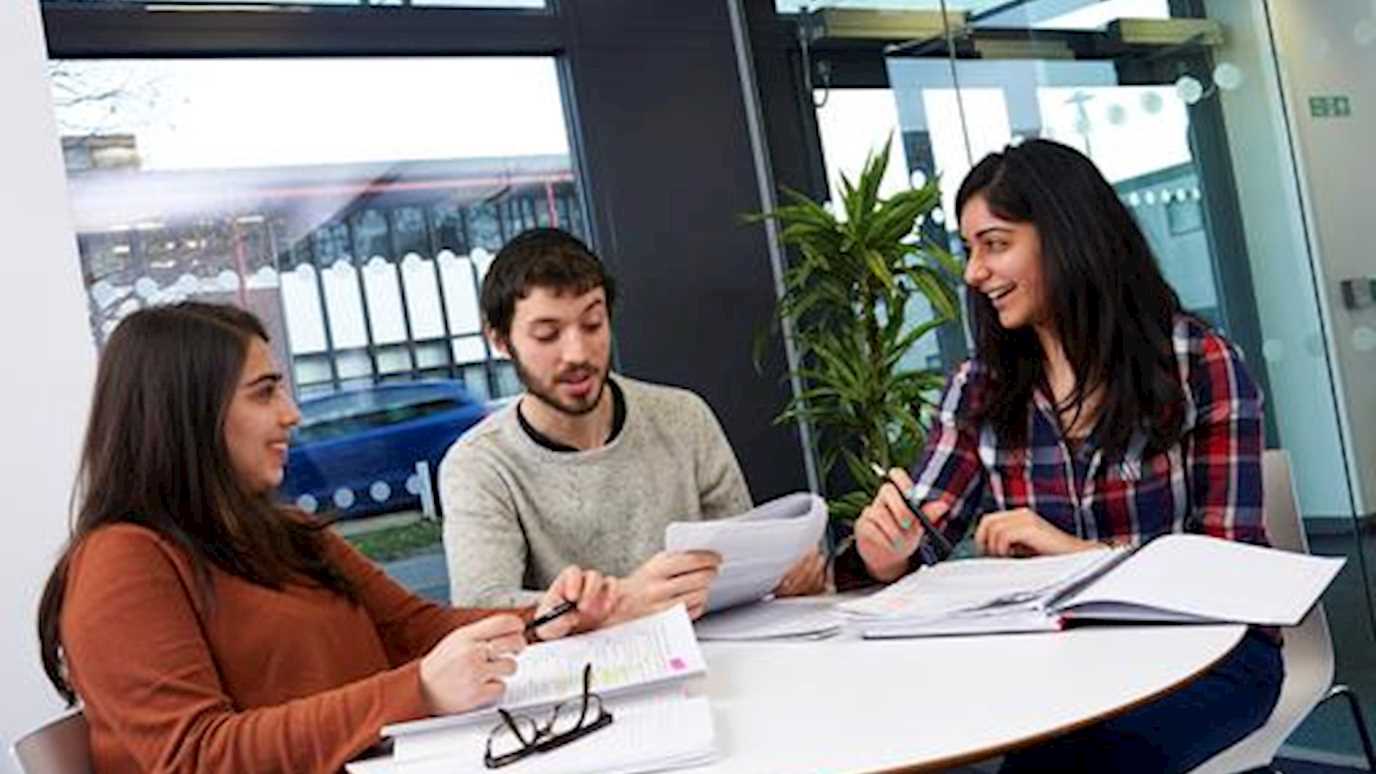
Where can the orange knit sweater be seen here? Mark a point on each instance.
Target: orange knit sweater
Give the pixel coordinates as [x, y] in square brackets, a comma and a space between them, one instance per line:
[297, 680]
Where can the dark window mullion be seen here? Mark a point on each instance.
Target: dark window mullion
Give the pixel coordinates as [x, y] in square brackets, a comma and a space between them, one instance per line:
[85, 30]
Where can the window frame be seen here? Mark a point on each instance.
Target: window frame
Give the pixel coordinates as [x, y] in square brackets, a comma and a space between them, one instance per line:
[120, 30]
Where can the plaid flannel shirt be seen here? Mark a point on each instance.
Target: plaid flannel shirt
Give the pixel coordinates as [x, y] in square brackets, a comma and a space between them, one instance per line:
[1209, 482]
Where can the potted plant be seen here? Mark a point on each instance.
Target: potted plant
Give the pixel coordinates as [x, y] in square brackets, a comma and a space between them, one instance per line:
[847, 295]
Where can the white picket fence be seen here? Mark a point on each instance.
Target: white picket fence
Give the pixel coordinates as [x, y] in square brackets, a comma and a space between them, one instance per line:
[428, 290]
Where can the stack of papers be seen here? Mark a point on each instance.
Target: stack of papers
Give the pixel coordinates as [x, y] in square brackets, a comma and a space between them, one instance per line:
[640, 670]
[793, 619]
[651, 733]
[1180, 578]
[757, 547]
[983, 595]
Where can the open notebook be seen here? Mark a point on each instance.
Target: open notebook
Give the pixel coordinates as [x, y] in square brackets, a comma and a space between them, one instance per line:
[640, 669]
[1174, 578]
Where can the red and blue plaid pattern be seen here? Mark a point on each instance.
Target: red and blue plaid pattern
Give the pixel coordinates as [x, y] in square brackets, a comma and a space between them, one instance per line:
[1209, 483]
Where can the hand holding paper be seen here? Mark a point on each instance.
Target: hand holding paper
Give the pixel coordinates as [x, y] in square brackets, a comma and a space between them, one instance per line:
[757, 548]
[808, 575]
[668, 578]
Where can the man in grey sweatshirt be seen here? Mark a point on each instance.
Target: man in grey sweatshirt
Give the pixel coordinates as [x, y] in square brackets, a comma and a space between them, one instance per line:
[586, 468]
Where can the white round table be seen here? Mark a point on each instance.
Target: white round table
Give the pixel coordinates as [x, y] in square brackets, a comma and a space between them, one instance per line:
[850, 705]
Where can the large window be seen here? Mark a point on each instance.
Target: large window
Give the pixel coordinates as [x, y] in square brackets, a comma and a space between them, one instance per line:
[353, 204]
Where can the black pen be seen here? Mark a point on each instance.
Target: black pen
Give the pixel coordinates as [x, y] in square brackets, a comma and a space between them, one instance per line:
[944, 545]
[558, 610]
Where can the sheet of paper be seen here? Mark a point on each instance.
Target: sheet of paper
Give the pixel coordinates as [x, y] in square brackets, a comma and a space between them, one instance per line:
[645, 651]
[771, 620]
[757, 547]
[663, 730]
[642, 653]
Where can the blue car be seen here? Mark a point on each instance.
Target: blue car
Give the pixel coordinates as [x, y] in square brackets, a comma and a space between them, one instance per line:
[355, 452]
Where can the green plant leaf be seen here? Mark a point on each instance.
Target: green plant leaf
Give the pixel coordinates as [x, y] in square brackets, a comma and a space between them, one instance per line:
[846, 291]
[943, 258]
[880, 268]
[937, 289]
[866, 194]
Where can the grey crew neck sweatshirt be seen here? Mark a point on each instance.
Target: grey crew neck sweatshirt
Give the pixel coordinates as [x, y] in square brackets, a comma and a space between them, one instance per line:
[517, 513]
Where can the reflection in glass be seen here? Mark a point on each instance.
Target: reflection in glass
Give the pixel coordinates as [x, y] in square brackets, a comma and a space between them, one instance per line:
[1062, 15]
[353, 204]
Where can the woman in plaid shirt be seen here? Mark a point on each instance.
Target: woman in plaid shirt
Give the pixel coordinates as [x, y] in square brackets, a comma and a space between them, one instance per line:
[1096, 411]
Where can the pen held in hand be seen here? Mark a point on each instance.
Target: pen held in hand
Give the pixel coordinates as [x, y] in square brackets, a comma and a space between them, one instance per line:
[558, 610]
[944, 547]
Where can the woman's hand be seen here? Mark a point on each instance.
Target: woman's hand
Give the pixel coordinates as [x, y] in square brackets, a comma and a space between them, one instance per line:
[808, 575]
[886, 533]
[466, 669]
[1021, 532]
[596, 595]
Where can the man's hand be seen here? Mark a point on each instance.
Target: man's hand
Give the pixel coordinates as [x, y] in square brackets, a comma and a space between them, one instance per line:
[595, 594]
[807, 576]
[666, 579]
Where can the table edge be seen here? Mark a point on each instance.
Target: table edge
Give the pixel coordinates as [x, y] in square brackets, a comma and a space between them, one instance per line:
[961, 759]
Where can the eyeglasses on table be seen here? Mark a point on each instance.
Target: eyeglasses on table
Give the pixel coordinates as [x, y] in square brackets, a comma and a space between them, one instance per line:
[519, 735]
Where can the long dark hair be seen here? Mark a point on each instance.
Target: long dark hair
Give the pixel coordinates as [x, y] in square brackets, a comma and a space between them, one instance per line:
[1107, 301]
[155, 455]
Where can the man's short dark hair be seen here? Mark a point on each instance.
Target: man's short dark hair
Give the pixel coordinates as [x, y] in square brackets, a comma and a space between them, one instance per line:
[539, 257]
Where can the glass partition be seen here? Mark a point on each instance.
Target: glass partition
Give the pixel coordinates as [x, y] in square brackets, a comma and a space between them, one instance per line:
[1180, 106]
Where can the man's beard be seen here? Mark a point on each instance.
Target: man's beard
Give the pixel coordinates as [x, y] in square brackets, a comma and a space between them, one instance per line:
[548, 396]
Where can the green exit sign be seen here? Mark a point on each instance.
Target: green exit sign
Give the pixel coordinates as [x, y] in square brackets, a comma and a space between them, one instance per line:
[1330, 107]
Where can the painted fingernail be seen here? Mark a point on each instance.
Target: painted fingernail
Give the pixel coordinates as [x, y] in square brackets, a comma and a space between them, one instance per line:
[907, 523]
[897, 544]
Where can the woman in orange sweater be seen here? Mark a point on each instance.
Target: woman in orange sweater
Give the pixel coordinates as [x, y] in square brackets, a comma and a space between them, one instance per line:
[206, 628]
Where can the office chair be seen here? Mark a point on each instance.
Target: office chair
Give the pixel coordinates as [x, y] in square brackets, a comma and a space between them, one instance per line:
[1308, 651]
[60, 746]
